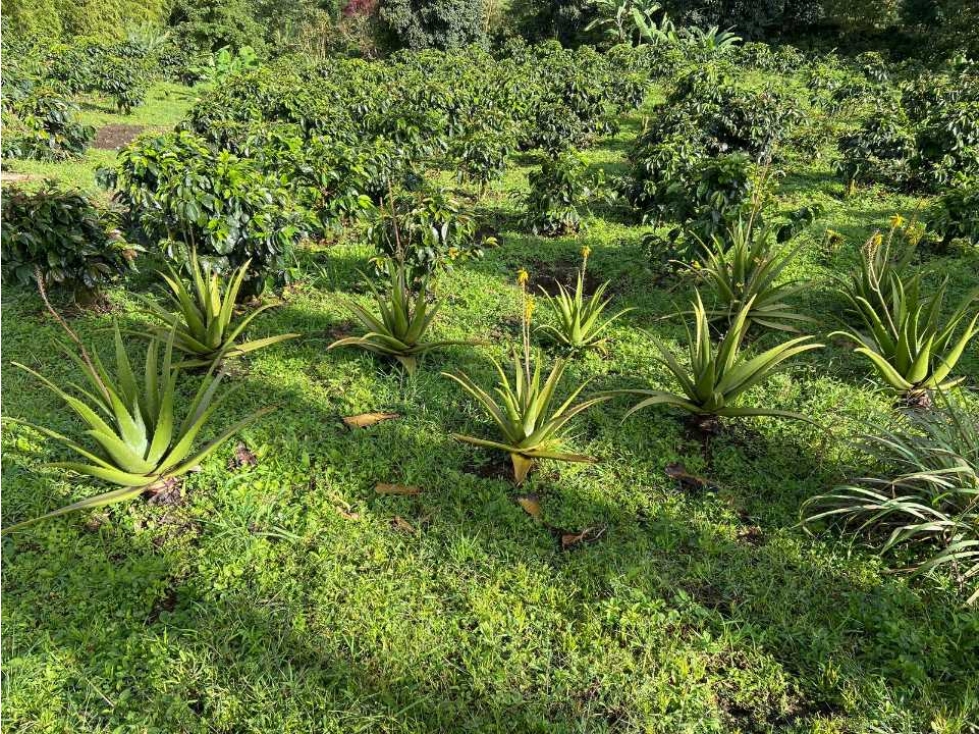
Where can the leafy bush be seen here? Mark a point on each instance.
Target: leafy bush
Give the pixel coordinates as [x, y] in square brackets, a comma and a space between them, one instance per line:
[955, 214]
[61, 236]
[181, 194]
[482, 156]
[929, 497]
[880, 151]
[556, 191]
[433, 23]
[42, 125]
[210, 25]
[704, 196]
[426, 230]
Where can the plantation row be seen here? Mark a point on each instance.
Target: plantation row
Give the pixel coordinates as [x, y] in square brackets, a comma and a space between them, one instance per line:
[299, 151]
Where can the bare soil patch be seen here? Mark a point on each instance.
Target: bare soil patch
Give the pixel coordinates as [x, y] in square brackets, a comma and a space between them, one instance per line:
[114, 136]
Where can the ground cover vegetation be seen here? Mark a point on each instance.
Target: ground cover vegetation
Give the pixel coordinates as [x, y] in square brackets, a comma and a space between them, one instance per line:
[472, 390]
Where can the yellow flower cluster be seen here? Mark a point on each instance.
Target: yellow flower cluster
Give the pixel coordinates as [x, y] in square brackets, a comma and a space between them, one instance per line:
[523, 277]
[528, 308]
[897, 221]
[585, 252]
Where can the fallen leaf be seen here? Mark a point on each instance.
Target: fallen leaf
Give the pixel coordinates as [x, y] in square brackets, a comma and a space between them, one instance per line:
[588, 535]
[399, 523]
[530, 504]
[243, 457]
[365, 420]
[679, 472]
[401, 489]
[346, 513]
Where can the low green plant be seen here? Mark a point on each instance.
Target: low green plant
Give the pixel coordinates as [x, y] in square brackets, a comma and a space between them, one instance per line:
[556, 191]
[405, 316]
[745, 267]
[579, 317]
[204, 326]
[716, 378]
[425, 230]
[60, 237]
[930, 498]
[911, 346]
[531, 425]
[140, 445]
[43, 125]
[955, 214]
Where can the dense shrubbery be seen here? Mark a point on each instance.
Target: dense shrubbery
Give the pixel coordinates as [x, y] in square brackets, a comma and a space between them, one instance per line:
[556, 192]
[180, 193]
[921, 141]
[60, 236]
[43, 125]
[956, 212]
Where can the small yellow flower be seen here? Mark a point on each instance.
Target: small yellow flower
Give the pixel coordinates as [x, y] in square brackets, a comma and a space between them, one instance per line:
[453, 253]
[876, 240]
[523, 277]
[585, 252]
[897, 221]
[915, 232]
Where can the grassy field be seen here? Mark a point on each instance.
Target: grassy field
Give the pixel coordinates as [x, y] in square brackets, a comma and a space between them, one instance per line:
[289, 596]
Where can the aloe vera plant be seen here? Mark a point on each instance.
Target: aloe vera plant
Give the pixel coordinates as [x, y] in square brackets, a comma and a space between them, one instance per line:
[204, 325]
[746, 268]
[910, 345]
[716, 378]
[531, 423]
[405, 317]
[579, 318]
[929, 497]
[140, 444]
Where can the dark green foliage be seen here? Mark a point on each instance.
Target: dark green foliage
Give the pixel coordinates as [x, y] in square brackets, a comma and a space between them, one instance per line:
[557, 189]
[180, 193]
[922, 142]
[565, 20]
[60, 235]
[482, 156]
[210, 25]
[955, 214]
[881, 150]
[56, 19]
[440, 24]
[42, 125]
[426, 230]
[118, 70]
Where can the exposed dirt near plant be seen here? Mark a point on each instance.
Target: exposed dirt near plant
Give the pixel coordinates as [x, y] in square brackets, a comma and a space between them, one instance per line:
[114, 136]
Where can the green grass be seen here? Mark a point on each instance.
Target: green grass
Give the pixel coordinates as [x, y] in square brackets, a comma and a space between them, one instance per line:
[281, 598]
[165, 105]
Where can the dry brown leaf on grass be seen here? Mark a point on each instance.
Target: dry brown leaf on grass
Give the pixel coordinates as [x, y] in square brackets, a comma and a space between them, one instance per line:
[399, 523]
[243, 456]
[530, 504]
[679, 472]
[344, 511]
[366, 420]
[400, 489]
[588, 535]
